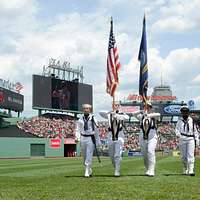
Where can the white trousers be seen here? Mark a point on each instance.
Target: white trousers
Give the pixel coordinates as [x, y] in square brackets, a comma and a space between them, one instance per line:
[115, 152]
[87, 149]
[187, 148]
[148, 148]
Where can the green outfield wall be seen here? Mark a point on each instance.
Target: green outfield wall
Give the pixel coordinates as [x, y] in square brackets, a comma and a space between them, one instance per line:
[11, 147]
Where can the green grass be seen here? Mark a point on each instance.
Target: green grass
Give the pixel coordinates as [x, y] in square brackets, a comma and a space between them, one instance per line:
[58, 179]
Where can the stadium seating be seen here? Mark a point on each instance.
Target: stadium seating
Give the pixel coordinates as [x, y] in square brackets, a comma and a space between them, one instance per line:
[48, 127]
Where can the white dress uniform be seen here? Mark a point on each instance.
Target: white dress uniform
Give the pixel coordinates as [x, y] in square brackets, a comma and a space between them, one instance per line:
[115, 137]
[148, 139]
[87, 128]
[187, 131]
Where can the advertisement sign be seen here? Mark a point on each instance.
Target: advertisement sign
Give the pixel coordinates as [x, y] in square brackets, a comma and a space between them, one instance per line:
[172, 109]
[55, 143]
[134, 153]
[133, 97]
[191, 104]
[129, 109]
[176, 153]
[11, 100]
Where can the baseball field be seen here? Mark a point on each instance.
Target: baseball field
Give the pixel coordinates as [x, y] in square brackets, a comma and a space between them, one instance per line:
[62, 178]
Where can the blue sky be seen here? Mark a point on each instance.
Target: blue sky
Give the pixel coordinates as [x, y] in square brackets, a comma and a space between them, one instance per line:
[32, 31]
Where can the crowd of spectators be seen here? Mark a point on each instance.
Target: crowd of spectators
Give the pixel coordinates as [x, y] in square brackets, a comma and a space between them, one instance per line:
[131, 142]
[49, 127]
[166, 129]
[103, 129]
[166, 136]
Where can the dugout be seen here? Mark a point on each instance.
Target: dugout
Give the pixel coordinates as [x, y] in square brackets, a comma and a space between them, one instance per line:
[71, 147]
[69, 150]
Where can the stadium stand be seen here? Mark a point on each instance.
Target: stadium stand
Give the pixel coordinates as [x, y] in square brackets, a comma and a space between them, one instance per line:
[49, 126]
[166, 136]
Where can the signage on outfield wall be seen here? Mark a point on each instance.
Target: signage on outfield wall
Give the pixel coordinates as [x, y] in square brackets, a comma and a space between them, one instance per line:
[134, 97]
[176, 153]
[134, 153]
[55, 143]
[129, 109]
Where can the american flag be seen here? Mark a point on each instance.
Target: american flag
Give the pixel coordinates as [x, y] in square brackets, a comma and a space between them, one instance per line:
[113, 64]
[18, 86]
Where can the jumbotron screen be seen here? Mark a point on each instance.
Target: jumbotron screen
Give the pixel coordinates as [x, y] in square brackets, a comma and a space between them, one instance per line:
[11, 100]
[53, 93]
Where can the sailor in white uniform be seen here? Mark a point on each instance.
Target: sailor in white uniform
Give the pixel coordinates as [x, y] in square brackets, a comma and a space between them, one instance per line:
[87, 133]
[148, 137]
[115, 135]
[189, 139]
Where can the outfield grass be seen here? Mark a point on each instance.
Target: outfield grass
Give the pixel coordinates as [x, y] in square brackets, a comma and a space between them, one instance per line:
[58, 179]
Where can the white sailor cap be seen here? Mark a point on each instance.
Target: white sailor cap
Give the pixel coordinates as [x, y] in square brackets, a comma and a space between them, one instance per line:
[86, 106]
[184, 108]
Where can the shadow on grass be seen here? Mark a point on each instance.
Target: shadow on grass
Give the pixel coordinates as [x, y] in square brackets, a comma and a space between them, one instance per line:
[104, 175]
[74, 176]
[174, 175]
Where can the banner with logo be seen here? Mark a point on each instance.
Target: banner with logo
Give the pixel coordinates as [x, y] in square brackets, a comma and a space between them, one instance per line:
[129, 109]
[55, 143]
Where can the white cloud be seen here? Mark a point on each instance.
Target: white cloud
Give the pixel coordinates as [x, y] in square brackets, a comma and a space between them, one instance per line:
[183, 65]
[172, 24]
[178, 16]
[17, 16]
[14, 4]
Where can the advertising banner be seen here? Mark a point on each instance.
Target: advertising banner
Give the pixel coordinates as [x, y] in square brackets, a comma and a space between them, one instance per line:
[129, 109]
[55, 143]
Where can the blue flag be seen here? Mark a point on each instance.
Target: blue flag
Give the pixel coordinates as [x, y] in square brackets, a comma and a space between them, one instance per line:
[142, 57]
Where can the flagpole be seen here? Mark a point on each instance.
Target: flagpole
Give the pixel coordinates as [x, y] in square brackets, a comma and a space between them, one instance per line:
[113, 101]
[145, 100]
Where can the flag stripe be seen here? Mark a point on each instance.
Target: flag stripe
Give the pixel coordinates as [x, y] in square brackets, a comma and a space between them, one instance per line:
[111, 64]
